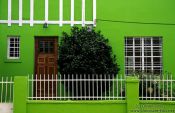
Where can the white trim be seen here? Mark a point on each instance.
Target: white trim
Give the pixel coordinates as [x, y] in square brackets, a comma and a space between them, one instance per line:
[20, 12]
[43, 21]
[133, 54]
[72, 12]
[83, 12]
[31, 12]
[94, 12]
[152, 54]
[9, 12]
[8, 51]
[31, 21]
[46, 10]
[143, 60]
[61, 13]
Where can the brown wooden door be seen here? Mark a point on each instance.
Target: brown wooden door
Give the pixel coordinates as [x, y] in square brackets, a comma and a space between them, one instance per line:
[45, 66]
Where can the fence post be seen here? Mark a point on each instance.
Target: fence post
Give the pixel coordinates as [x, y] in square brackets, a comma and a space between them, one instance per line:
[132, 94]
[20, 94]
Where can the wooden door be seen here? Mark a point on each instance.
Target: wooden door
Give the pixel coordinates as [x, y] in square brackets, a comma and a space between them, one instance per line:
[45, 66]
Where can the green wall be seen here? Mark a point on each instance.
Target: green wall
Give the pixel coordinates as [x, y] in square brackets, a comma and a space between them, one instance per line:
[76, 107]
[150, 11]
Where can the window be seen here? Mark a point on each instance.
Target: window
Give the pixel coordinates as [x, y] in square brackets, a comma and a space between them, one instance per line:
[46, 46]
[13, 48]
[143, 54]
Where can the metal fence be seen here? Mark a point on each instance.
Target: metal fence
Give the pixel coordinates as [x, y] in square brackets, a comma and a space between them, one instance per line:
[89, 87]
[76, 87]
[6, 89]
[157, 87]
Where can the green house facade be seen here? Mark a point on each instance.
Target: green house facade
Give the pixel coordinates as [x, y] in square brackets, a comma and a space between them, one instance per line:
[141, 33]
[142, 36]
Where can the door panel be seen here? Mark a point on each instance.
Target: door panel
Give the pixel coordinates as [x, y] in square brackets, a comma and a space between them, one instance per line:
[45, 66]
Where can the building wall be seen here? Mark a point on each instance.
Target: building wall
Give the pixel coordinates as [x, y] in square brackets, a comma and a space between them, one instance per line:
[149, 11]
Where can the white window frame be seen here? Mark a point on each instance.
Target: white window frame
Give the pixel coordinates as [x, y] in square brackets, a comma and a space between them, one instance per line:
[143, 64]
[8, 48]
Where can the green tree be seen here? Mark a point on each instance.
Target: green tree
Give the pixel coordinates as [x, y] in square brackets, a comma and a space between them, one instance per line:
[85, 51]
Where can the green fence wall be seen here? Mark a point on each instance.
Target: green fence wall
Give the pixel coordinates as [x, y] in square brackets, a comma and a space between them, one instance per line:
[132, 103]
[149, 11]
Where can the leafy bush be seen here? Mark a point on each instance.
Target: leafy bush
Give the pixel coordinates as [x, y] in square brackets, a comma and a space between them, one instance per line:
[85, 51]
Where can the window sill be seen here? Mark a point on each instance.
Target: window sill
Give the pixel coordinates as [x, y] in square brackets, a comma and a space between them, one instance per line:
[13, 61]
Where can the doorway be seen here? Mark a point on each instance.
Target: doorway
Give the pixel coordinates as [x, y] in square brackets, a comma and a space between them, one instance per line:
[46, 56]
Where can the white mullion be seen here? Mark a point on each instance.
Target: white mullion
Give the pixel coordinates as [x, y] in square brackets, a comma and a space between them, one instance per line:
[72, 12]
[94, 12]
[9, 12]
[20, 12]
[31, 12]
[83, 13]
[160, 54]
[61, 12]
[126, 45]
[152, 64]
[133, 54]
[46, 10]
[142, 39]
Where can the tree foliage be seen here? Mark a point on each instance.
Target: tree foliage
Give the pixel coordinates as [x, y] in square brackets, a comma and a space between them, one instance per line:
[85, 51]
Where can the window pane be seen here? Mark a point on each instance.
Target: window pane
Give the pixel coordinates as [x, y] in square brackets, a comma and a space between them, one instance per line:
[147, 42]
[129, 41]
[11, 39]
[147, 51]
[157, 70]
[147, 61]
[147, 70]
[138, 51]
[138, 61]
[13, 47]
[157, 51]
[129, 51]
[138, 42]
[157, 61]
[156, 41]
[129, 61]
[138, 70]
